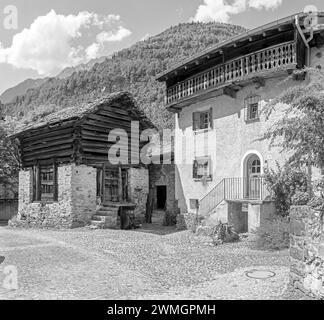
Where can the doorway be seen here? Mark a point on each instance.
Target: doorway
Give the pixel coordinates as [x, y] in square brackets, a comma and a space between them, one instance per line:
[161, 196]
[253, 177]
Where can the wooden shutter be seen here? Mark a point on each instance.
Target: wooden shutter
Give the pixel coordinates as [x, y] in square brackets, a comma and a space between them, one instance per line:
[195, 169]
[195, 121]
[211, 120]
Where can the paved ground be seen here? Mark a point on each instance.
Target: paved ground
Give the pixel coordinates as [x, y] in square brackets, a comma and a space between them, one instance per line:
[107, 264]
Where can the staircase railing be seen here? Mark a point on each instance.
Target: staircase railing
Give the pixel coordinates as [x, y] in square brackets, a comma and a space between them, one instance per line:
[234, 189]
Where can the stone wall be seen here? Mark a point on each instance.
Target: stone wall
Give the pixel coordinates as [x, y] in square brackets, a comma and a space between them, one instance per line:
[76, 199]
[307, 251]
[138, 189]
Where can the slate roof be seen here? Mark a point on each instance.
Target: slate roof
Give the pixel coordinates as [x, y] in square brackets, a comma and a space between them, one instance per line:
[79, 112]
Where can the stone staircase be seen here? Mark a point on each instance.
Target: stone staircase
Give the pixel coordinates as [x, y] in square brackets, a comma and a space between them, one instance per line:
[105, 217]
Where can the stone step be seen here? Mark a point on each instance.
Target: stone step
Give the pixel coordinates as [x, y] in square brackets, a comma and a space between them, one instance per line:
[102, 218]
[97, 224]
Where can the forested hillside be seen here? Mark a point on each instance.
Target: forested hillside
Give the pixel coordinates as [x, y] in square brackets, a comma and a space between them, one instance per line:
[133, 69]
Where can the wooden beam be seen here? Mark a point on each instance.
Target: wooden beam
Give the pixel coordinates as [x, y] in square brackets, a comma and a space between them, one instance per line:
[46, 145]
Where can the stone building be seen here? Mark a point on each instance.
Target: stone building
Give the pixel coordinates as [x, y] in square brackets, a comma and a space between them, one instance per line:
[67, 179]
[217, 96]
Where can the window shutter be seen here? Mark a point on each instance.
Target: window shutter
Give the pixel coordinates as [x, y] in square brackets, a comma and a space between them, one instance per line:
[211, 118]
[195, 121]
[195, 169]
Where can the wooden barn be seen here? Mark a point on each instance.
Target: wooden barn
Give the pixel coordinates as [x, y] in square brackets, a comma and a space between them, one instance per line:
[67, 180]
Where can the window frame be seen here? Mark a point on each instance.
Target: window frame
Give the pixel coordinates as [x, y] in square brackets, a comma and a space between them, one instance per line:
[209, 175]
[250, 102]
[38, 173]
[199, 120]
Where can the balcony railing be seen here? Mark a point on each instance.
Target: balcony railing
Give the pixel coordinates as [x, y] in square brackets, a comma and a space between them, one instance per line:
[272, 58]
[243, 189]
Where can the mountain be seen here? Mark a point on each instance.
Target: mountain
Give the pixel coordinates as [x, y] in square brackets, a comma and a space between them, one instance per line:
[20, 89]
[133, 69]
[23, 87]
[67, 72]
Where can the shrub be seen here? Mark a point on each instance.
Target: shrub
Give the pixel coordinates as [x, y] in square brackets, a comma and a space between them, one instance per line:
[300, 198]
[224, 233]
[284, 183]
[273, 234]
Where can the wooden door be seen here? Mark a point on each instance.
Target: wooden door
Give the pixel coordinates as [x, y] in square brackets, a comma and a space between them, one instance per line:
[116, 185]
[254, 177]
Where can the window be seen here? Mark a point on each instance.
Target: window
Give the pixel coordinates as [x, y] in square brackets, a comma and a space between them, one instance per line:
[252, 108]
[45, 183]
[253, 111]
[202, 168]
[203, 120]
[256, 166]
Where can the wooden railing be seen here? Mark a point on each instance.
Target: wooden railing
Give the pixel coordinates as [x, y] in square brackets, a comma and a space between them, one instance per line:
[244, 189]
[268, 59]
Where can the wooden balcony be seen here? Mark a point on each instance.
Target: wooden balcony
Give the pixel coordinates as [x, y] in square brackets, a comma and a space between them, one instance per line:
[257, 64]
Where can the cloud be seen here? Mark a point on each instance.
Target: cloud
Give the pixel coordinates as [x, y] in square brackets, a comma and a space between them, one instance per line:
[54, 42]
[111, 36]
[265, 4]
[221, 10]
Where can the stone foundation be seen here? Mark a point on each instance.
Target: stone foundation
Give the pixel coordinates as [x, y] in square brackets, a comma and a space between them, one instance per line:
[307, 251]
[76, 199]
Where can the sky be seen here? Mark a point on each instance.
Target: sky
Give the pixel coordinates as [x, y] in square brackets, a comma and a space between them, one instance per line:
[40, 38]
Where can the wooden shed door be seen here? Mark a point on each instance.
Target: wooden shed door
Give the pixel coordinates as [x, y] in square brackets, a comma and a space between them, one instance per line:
[116, 185]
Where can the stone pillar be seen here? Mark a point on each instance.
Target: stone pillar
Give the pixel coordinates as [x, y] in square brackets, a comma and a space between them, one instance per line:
[237, 218]
[83, 195]
[138, 189]
[307, 251]
[24, 191]
[258, 213]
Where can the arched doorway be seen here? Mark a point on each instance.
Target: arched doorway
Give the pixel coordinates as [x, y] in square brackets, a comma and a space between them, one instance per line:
[252, 177]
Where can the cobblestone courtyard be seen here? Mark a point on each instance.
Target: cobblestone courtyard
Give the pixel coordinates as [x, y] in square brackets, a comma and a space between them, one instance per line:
[108, 264]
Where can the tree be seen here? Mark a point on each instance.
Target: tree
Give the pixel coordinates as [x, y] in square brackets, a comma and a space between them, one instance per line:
[301, 128]
[9, 158]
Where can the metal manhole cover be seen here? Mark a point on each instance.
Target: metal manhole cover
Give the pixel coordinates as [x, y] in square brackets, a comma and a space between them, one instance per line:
[260, 274]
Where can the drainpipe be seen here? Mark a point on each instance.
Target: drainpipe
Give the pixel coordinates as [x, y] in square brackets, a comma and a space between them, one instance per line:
[306, 41]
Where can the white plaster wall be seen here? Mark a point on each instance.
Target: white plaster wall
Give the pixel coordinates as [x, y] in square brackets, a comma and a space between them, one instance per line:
[230, 141]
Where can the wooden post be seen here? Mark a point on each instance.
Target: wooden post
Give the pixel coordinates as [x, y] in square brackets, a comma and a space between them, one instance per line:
[38, 183]
[120, 184]
[55, 183]
[103, 188]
